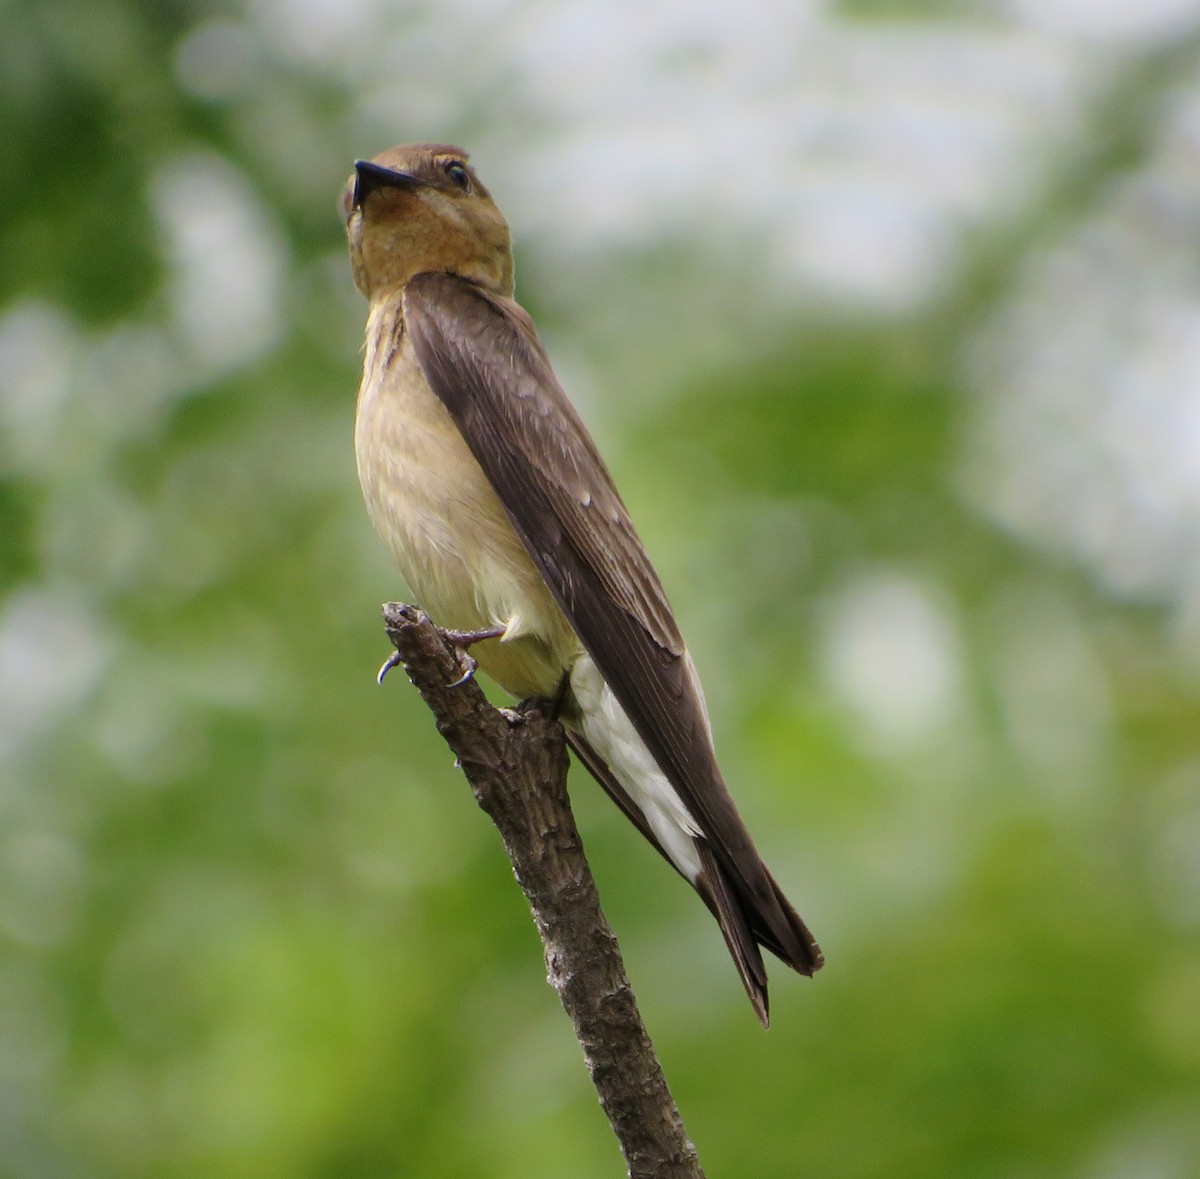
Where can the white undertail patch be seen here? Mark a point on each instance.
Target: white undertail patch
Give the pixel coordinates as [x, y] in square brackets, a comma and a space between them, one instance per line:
[611, 733]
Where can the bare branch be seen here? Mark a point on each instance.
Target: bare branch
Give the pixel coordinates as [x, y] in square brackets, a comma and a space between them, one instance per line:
[516, 764]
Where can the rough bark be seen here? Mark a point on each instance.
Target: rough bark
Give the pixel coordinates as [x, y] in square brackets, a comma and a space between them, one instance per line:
[516, 764]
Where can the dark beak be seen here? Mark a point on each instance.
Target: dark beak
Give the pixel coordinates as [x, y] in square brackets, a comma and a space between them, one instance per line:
[368, 177]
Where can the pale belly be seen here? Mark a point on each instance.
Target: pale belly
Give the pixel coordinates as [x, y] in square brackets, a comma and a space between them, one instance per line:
[447, 531]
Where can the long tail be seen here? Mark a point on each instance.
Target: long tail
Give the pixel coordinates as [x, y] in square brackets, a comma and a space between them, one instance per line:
[740, 916]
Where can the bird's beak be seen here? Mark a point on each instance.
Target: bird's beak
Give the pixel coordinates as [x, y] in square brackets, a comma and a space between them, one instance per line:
[368, 177]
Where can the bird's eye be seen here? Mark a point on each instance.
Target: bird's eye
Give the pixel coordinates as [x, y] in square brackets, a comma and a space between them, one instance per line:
[457, 172]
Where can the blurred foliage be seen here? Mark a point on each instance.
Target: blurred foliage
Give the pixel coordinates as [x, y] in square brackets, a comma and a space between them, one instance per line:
[251, 923]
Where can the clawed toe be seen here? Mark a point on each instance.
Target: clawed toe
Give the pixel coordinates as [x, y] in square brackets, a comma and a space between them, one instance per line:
[460, 640]
[470, 668]
[391, 661]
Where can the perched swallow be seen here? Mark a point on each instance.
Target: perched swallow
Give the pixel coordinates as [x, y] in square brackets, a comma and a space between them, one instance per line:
[501, 515]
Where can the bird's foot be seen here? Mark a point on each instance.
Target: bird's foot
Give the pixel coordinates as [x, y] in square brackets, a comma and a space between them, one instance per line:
[460, 640]
[548, 706]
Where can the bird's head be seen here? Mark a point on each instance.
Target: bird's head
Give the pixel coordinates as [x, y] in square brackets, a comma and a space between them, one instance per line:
[419, 208]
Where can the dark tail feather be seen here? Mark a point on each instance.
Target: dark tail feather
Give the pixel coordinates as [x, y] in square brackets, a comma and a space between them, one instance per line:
[713, 887]
[742, 921]
[806, 958]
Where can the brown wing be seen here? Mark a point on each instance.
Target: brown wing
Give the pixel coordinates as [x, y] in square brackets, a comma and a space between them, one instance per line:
[481, 356]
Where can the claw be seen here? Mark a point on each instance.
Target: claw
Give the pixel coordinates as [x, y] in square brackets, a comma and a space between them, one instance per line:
[469, 674]
[391, 661]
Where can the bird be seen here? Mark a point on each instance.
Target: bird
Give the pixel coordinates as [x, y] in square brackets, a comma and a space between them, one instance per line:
[488, 490]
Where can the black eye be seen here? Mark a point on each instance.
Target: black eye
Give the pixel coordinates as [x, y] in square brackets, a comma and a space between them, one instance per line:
[457, 171]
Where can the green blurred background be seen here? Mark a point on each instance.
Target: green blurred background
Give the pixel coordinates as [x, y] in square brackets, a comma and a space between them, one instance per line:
[887, 315]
